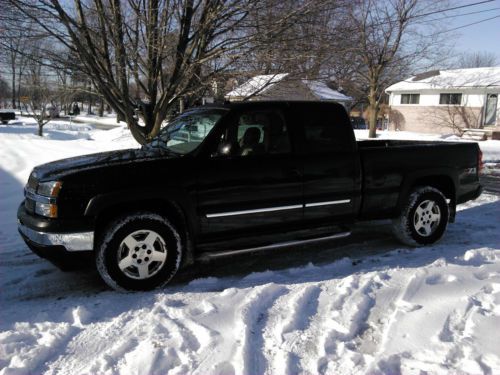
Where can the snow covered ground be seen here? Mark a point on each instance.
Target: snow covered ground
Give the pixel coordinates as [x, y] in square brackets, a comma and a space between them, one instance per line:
[361, 305]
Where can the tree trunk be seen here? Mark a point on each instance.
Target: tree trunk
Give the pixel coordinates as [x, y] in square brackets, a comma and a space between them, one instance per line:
[372, 113]
[40, 130]
[101, 108]
[120, 117]
[372, 121]
[14, 90]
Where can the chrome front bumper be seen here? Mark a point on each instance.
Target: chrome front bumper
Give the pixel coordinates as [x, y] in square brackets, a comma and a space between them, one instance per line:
[80, 241]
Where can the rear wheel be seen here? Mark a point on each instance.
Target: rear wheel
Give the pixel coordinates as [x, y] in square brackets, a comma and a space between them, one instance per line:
[424, 218]
[140, 251]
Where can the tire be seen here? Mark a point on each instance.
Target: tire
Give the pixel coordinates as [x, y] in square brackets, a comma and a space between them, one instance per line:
[423, 219]
[141, 251]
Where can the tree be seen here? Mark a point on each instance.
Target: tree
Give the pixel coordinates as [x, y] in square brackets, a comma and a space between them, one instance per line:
[477, 60]
[41, 97]
[387, 42]
[4, 88]
[168, 49]
[15, 32]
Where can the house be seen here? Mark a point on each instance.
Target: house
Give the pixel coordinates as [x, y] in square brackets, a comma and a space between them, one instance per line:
[446, 101]
[283, 87]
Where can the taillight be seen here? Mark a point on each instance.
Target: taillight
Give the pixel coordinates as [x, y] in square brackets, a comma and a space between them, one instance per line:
[480, 163]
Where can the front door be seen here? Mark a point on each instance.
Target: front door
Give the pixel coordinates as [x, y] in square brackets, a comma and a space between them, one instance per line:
[249, 183]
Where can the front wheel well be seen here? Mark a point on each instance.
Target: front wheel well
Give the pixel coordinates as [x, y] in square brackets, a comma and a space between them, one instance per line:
[167, 209]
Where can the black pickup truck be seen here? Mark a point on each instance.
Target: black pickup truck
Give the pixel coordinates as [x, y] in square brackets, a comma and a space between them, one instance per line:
[6, 116]
[235, 179]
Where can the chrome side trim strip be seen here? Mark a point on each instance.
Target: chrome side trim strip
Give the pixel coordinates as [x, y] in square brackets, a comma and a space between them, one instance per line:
[246, 212]
[328, 203]
[79, 241]
[220, 254]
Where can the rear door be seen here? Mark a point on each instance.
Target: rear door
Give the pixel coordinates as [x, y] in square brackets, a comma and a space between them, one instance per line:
[249, 182]
[330, 163]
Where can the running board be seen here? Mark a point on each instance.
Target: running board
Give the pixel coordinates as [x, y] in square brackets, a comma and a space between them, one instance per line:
[220, 254]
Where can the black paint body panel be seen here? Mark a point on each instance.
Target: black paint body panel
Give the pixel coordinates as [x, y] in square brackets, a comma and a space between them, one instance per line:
[372, 177]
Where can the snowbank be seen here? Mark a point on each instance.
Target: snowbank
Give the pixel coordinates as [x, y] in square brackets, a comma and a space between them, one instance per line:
[363, 305]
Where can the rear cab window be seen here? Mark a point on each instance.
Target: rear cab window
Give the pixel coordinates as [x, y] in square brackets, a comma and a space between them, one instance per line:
[325, 128]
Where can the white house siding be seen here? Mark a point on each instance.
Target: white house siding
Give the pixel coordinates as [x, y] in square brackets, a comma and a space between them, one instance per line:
[431, 117]
[428, 115]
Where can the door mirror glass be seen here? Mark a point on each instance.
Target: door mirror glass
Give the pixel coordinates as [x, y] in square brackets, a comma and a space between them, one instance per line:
[225, 149]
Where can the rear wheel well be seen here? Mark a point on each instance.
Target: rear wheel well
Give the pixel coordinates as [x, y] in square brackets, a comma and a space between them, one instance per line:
[167, 209]
[442, 183]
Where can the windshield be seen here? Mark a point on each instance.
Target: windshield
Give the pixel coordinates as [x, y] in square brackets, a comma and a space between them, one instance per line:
[186, 132]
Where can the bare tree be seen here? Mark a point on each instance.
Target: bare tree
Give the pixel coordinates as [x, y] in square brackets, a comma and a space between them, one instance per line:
[387, 42]
[4, 88]
[168, 49]
[477, 60]
[42, 93]
[16, 32]
[457, 118]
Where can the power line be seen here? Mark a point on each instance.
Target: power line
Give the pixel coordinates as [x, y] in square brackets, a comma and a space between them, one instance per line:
[464, 26]
[463, 14]
[453, 8]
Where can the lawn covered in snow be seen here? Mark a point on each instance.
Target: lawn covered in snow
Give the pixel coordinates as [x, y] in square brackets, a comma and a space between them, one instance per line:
[361, 305]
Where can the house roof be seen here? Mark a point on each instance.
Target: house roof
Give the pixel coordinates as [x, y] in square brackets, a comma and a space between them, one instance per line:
[256, 85]
[262, 83]
[323, 92]
[450, 79]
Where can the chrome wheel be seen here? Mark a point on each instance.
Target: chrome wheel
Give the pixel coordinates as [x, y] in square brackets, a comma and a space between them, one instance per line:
[427, 218]
[142, 254]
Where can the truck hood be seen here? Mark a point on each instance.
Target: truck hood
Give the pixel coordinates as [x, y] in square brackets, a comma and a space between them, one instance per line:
[60, 168]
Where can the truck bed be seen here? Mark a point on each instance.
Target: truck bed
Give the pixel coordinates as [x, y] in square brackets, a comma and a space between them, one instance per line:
[390, 166]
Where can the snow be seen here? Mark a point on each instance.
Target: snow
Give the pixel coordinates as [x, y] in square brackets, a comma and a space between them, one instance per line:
[323, 92]
[361, 305]
[256, 85]
[261, 83]
[452, 79]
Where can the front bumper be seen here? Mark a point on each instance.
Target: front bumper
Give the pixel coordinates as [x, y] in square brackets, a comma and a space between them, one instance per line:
[68, 244]
[72, 235]
[80, 241]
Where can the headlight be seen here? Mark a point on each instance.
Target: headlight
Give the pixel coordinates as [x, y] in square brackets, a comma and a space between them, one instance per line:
[49, 189]
[46, 209]
[45, 198]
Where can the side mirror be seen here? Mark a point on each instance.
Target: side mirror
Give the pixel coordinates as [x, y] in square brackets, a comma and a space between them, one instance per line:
[225, 149]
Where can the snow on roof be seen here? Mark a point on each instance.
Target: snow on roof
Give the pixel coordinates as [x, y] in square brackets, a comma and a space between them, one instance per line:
[323, 92]
[260, 84]
[451, 79]
[256, 85]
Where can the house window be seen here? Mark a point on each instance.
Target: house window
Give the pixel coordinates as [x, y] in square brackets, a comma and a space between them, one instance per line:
[410, 98]
[453, 99]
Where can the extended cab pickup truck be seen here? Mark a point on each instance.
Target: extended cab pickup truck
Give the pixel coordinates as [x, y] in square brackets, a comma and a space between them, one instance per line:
[240, 178]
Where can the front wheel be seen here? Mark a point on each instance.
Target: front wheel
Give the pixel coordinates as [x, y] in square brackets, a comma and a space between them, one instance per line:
[424, 218]
[140, 251]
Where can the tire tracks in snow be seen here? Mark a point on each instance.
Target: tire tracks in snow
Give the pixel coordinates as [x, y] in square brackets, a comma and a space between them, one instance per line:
[157, 340]
[285, 331]
[253, 316]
